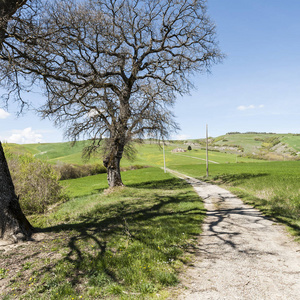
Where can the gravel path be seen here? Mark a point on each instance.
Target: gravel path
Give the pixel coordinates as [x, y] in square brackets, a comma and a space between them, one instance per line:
[241, 254]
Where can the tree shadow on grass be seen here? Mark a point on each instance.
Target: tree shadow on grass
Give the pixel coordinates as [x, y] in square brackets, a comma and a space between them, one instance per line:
[232, 178]
[167, 184]
[136, 220]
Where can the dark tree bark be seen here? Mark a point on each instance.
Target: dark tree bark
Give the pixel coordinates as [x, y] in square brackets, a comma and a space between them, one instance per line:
[13, 223]
[112, 163]
[7, 9]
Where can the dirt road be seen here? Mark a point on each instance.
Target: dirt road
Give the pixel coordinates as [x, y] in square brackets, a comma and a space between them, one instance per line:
[241, 254]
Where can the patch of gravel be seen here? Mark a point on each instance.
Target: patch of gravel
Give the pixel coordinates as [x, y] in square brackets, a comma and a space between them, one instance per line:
[241, 254]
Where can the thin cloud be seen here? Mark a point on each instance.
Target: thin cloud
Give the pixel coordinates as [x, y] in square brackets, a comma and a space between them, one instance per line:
[181, 137]
[243, 107]
[25, 136]
[4, 114]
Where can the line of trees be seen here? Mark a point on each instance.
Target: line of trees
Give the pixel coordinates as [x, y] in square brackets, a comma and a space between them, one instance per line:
[111, 69]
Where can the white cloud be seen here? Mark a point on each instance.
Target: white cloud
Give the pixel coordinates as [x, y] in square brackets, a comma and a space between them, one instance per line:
[181, 137]
[3, 114]
[25, 136]
[243, 107]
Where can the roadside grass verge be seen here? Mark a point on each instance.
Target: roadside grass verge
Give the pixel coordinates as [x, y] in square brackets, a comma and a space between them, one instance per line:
[126, 243]
[273, 187]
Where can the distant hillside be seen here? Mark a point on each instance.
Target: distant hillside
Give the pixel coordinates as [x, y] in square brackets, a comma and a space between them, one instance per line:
[259, 145]
[58, 152]
[255, 145]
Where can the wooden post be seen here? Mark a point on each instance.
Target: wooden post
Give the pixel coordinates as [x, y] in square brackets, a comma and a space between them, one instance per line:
[164, 157]
[207, 173]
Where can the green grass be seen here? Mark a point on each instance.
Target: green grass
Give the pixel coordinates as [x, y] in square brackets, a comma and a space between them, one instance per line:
[123, 244]
[273, 187]
[130, 243]
[253, 142]
[85, 186]
[293, 141]
[247, 141]
[148, 154]
[62, 152]
[152, 154]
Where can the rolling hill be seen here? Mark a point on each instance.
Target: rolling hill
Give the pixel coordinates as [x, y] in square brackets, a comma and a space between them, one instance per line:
[244, 147]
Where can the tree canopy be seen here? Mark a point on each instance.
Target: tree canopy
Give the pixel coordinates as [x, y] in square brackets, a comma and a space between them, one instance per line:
[111, 68]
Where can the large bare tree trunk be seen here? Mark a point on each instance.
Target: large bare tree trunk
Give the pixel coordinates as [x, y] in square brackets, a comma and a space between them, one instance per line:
[13, 223]
[112, 163]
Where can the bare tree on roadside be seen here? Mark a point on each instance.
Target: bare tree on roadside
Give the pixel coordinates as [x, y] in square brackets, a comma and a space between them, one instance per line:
[112, 69]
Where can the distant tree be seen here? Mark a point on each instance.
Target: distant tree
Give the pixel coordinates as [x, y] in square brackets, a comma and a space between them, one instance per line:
[189, 147]
[112, 69]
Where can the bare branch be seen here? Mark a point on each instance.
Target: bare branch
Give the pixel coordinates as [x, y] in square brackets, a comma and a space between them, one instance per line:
[112, 68]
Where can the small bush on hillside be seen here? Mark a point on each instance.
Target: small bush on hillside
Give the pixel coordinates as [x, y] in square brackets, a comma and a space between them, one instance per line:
[72, 171]
[134, 167]
[35, 181]
[270, 142]
[189, 148]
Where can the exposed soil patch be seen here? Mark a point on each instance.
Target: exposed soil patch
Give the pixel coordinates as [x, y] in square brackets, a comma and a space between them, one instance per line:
[241, 254]
[18, 262]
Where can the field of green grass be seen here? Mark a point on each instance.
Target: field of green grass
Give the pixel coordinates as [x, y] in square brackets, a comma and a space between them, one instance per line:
[59, 152]
[131, 242]
[151, 153]
[273, 187]
[123, 244]
[293, 141]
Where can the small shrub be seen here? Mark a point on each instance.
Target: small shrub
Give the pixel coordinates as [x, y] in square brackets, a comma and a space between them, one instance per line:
[73, 171]
[35, 181]
[189, 148]
[134, 167]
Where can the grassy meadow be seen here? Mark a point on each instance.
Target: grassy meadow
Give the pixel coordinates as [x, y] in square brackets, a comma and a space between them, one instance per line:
[123, 244]
[131, 242]
[273, 187]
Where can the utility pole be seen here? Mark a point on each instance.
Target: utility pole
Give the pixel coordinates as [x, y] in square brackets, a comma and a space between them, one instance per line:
[207, 174]
[164, 157]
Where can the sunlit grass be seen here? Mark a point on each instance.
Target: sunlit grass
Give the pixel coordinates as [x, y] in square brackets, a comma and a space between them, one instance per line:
[128, 243]
[274, 187]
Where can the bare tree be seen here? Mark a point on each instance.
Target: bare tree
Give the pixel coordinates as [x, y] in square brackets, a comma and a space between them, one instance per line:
[112, 68]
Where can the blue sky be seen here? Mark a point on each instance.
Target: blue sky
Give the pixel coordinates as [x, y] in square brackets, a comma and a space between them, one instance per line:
[256, 88]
